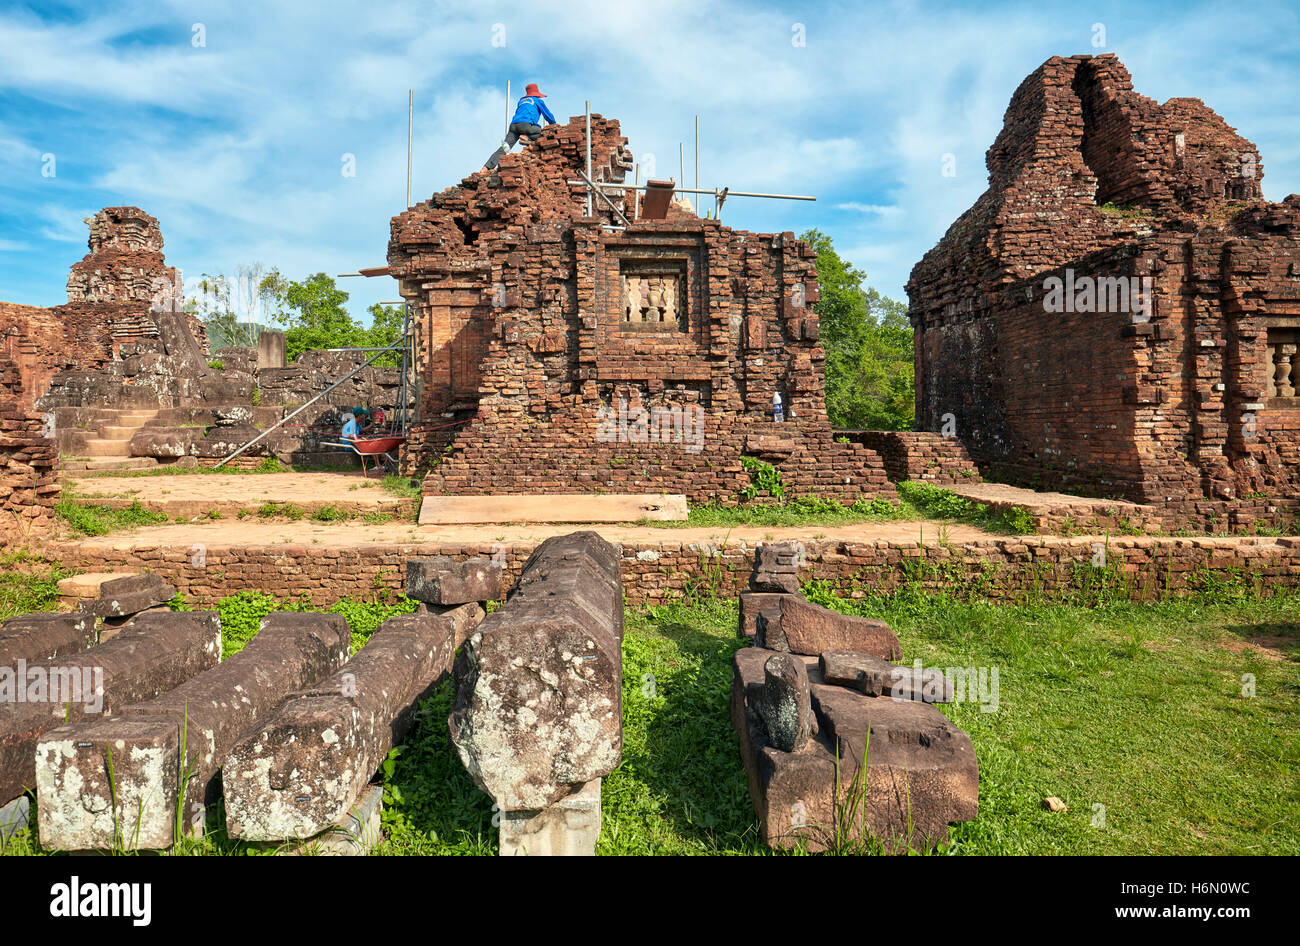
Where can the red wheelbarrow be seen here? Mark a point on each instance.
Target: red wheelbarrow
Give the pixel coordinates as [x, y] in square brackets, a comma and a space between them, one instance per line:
[372, 447]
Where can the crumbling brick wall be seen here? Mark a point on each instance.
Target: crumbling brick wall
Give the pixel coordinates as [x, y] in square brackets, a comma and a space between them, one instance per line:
[554, 348]
[111, 291]
[29, 462]
[1103, 191]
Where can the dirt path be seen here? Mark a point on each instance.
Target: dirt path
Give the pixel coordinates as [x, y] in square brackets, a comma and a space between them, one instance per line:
[197, 493]
[263, 532]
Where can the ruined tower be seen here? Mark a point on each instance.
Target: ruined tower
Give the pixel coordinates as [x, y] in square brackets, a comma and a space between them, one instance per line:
[1117, 312]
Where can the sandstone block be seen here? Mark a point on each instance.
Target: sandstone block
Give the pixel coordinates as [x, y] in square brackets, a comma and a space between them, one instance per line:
[314, 756]
[154, 654]
[32, 637]
[539, 686]
[444, 581]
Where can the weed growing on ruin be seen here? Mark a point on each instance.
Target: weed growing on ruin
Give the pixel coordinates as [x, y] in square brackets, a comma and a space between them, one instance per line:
[938, 503]
[98, 519]
[402, 486]
[764, 478]
[28, 589]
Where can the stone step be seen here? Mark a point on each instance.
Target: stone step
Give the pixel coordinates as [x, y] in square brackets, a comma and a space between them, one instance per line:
[102, 447]
[110, 432]
[108, 464]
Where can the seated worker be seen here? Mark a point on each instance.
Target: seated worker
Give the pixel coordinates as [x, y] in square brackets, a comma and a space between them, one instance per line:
[350, 431]
[362, 414]
[526, 122]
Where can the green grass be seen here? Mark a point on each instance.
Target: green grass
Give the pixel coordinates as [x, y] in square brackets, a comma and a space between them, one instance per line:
[401, 486]
[98, 519]
[1134, 707]
[24, 592]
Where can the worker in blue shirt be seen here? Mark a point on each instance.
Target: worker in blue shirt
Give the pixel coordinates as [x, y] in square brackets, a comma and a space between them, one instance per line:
[526, 122]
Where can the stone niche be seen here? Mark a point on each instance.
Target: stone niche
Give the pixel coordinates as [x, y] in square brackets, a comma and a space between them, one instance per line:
[1281, 377]
[653, 296]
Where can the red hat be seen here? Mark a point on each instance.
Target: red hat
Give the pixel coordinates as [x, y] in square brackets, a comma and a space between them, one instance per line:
[533, 90]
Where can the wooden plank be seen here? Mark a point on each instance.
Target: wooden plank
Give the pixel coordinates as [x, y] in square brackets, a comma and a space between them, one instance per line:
[552, 507]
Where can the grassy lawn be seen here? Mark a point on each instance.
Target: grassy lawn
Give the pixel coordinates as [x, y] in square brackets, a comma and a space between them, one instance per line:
[1134, 707]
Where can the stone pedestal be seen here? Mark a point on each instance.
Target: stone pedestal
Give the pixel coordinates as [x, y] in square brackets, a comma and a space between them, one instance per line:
[570, 827]
[270, 349]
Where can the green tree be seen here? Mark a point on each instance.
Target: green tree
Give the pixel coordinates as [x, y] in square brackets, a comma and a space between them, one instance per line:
[386, 329]
[313, 313]
[870, 382]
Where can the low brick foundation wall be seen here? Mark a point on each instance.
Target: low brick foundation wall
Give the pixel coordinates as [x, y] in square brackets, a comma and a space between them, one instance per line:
[918, 455]
[1003, 569]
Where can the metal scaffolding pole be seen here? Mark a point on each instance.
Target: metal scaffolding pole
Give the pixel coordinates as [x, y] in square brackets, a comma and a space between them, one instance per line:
[589, 207]
[410, 129]
[288, 417]
[700, 190]
[697, 154]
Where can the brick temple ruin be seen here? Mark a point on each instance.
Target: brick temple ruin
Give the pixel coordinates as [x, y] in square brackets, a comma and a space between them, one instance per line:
[120, 377]
[1120, 311]
[562, 352]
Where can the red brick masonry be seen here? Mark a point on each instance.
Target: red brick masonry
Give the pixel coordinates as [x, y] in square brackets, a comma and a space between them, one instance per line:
[1003, 568]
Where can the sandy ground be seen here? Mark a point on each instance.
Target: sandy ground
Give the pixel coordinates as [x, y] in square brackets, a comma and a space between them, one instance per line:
[259, 532]
[194, 494]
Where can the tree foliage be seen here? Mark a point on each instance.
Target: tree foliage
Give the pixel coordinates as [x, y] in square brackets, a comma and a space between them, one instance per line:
[868, 340]
[314, 314]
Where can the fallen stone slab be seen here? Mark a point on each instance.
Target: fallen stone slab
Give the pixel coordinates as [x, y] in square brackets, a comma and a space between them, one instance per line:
[752, 602]
[123, 597]
[801, 627]
[444, 581]
[156, 653]
[783, 702]
[33, 637]
[101, 781]
[872, 676]
[314, 756]
[75, 588]
[568, 828]
[921, 772]
[538, 706]
[557, 507]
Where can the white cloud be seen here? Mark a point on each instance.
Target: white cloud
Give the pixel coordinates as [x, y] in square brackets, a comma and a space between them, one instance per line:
[236, 147]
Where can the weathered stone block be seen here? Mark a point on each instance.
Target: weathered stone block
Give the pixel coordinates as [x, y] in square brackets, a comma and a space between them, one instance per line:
[568, 828]
[156, 653]
[539, 686]
[32, 637]
[783, 703]
[921, 770]
[776, 569]
[314, 756]
[872, 676]
[801, 627]
[752, 602]
[122, 597]
[444, 581]
[181, 735]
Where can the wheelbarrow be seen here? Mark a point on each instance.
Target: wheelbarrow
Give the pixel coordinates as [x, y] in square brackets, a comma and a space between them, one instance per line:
[372, 447]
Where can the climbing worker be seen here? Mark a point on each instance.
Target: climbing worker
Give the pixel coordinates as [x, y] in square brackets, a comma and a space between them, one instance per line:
[526, 123]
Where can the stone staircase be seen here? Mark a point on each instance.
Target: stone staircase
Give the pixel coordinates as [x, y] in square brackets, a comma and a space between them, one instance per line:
[107, 448]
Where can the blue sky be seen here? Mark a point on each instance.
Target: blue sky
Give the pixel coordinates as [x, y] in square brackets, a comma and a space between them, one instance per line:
[237, 145]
